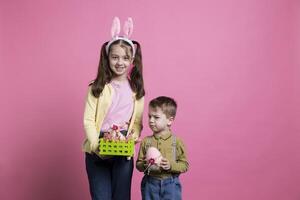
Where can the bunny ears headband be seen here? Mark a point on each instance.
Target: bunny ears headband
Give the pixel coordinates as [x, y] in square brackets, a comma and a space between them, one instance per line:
[115, 30]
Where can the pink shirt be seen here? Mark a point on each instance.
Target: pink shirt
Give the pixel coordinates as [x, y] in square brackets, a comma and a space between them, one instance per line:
[121, 108]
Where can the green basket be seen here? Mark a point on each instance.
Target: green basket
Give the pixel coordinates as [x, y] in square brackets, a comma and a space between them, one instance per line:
[116, 148]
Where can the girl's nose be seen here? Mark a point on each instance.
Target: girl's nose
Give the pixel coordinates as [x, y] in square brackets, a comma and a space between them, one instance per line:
[119, 62]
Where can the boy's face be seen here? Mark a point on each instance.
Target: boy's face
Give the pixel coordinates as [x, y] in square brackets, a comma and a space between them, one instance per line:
[158, 121]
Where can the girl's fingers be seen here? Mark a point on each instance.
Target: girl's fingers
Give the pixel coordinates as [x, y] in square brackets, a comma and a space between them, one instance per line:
[138, 141]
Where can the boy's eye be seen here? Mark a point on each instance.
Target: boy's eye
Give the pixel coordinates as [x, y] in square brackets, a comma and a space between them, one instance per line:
[155, 117]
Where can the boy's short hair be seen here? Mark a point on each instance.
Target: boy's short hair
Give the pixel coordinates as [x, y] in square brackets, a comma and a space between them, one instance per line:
[167, 104]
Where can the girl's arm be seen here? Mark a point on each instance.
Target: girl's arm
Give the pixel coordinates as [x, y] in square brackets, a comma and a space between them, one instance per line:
[89, 120]
[138, 121]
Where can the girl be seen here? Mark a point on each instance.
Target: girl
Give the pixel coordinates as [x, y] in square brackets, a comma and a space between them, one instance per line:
[115, 97]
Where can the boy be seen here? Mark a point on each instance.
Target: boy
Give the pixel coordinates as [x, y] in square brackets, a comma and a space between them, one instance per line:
[162, 182]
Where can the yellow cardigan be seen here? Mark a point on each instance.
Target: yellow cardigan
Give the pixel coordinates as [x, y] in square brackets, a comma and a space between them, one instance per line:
[95, 111]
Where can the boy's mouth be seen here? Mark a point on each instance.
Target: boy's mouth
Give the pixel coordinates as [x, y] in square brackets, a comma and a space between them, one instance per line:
[152, 126]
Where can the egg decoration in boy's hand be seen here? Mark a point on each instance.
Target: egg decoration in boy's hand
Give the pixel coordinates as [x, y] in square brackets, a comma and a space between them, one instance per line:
[153, 158]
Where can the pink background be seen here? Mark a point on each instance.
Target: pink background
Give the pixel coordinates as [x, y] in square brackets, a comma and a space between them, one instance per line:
[233, 67]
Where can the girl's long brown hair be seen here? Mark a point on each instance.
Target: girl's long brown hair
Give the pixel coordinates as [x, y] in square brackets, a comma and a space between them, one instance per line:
[105, 74]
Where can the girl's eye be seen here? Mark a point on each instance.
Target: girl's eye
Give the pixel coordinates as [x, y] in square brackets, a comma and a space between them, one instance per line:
[114, 56]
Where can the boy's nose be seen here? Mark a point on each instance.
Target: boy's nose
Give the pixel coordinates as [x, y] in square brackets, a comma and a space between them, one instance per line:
[151, 119]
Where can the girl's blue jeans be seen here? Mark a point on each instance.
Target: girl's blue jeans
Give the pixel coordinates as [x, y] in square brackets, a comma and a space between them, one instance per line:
[161, 189]
[109, 179]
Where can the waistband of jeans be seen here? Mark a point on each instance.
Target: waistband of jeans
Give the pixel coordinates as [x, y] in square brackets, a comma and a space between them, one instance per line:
[172, 176]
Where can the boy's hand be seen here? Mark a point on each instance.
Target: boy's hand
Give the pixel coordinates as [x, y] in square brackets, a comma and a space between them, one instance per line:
[145, 162]
[165, 164]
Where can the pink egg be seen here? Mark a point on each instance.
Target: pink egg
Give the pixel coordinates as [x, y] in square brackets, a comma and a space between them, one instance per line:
[153, 154]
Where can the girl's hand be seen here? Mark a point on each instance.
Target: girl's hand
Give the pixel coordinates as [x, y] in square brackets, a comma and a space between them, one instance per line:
[138, 141]
[165, 164]
[94, 146]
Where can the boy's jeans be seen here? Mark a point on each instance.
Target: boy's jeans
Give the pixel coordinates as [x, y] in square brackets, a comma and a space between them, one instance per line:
[156, 189]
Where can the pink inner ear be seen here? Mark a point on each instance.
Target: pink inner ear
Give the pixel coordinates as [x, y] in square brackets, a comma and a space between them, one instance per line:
[116, 26]
[128, 27]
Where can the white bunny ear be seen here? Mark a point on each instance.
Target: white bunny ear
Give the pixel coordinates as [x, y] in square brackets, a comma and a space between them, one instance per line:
[128, 27]
[116, 27]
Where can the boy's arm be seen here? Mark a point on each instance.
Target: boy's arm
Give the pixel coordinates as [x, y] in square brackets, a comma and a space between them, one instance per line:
[181, 165]
[140, 162]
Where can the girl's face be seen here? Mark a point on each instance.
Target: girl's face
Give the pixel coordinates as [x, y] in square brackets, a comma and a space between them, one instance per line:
[119, 61]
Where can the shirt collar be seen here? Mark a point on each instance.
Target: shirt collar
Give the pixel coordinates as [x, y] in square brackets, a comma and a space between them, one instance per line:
[165, 135]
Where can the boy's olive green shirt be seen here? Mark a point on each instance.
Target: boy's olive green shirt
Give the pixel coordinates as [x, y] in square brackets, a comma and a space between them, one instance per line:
[164, 144]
